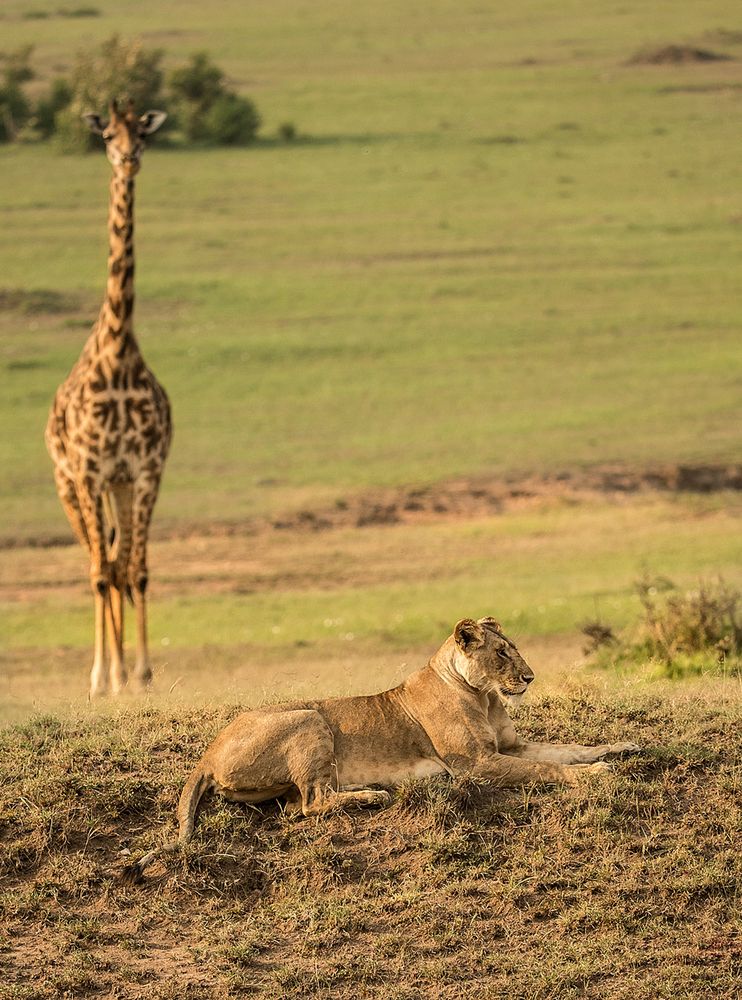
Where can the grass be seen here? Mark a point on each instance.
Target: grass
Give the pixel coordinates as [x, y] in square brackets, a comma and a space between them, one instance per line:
[340, 610]
[410, 295]
[454, 890]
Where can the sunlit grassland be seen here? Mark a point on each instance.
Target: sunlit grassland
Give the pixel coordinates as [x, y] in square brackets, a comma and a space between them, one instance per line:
[472, 263]
[351, 610]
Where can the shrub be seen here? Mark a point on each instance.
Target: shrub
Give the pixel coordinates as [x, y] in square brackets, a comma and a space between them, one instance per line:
[198, 83]
[14, 111]
[14, 107]
[683, 631]
[287, 132]
[231, 120]
[48, 107]
[206, 110]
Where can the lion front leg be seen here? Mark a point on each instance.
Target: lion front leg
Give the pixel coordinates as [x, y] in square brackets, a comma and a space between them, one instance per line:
[568, 753]
[509, 771]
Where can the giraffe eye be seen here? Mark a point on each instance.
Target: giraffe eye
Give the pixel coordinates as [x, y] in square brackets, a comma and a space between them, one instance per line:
[107, 136]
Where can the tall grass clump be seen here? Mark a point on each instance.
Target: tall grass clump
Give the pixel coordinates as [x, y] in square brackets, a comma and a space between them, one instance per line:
[681, 631]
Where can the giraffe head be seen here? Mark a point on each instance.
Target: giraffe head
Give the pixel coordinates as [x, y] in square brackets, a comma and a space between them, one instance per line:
[124, 134]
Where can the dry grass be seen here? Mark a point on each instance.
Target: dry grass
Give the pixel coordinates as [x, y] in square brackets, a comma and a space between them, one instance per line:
[626, 887]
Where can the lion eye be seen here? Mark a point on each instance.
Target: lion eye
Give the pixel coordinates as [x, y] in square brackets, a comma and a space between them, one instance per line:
[503, 654]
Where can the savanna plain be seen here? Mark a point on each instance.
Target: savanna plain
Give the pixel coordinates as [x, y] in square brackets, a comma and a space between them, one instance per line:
[468, 345]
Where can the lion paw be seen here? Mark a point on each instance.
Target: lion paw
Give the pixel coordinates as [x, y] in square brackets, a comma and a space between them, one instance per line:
[624, 748]
[576, 772]
[379, 799]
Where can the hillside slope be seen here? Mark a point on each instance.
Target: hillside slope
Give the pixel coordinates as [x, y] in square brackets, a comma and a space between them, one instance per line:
[625, 887]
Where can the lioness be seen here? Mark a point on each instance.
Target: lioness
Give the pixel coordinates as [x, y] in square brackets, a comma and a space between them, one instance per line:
[448, 717]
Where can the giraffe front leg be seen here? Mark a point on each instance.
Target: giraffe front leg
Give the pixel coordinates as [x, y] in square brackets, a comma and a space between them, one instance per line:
[99, 670]
[115, 633]
[119, 502]
[90, 508]
[101, 580]
[145, 495]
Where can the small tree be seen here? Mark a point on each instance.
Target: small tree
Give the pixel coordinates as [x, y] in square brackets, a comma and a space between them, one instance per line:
[206, 109]
[14, 107]
[48, 107]
[117, 70]
[232, 120]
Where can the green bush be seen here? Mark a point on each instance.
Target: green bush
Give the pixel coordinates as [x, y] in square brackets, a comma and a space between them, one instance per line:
[287, 132]
[198, 83]
[205, 109]
[48, 107]
[231, 120]
[15, 109]
[684, 632]
[200, 103]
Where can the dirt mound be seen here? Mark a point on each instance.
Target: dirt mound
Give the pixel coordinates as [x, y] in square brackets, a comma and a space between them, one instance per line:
[669, 55]
[455, 890]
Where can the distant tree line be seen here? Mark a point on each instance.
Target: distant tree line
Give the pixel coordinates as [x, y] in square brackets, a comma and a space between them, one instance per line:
[201, 106]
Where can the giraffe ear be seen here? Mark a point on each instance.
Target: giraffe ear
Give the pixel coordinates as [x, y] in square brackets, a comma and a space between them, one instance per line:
[150, 121]
[95, 124]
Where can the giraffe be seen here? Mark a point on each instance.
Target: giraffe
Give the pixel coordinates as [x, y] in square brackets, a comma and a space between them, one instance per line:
[109, 427]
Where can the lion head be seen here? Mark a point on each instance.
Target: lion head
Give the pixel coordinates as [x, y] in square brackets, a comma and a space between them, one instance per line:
[490, 662]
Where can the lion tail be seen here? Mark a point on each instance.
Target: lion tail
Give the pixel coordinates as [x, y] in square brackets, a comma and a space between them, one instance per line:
[193, 791]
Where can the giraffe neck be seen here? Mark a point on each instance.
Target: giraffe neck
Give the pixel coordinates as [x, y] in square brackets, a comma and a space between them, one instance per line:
[115, 332]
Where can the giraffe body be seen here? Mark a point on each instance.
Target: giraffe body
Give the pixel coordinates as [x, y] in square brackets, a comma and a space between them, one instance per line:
[109, 429]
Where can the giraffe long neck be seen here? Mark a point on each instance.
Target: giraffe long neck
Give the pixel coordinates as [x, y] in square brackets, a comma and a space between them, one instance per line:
[115, 331]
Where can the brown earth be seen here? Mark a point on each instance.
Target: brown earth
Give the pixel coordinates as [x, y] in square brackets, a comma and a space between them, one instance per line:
[676, 54]
[460, 498]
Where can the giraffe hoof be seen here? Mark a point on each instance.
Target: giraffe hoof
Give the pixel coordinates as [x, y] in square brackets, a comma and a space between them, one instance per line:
[141, 678]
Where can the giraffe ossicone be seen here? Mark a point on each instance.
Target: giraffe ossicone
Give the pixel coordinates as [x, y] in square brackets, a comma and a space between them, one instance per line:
[109, 428]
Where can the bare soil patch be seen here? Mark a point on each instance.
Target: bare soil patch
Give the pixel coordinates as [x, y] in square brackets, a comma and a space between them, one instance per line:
[673, 55]
[461, 498]
[35, 301]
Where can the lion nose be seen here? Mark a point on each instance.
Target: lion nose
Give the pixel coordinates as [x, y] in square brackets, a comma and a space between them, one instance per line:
[526, 678]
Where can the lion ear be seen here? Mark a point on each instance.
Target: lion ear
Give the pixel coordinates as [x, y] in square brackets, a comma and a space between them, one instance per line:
[468, 635]
[491, 623]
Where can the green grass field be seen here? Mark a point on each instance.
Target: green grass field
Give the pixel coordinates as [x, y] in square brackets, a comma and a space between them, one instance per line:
[500, 248]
